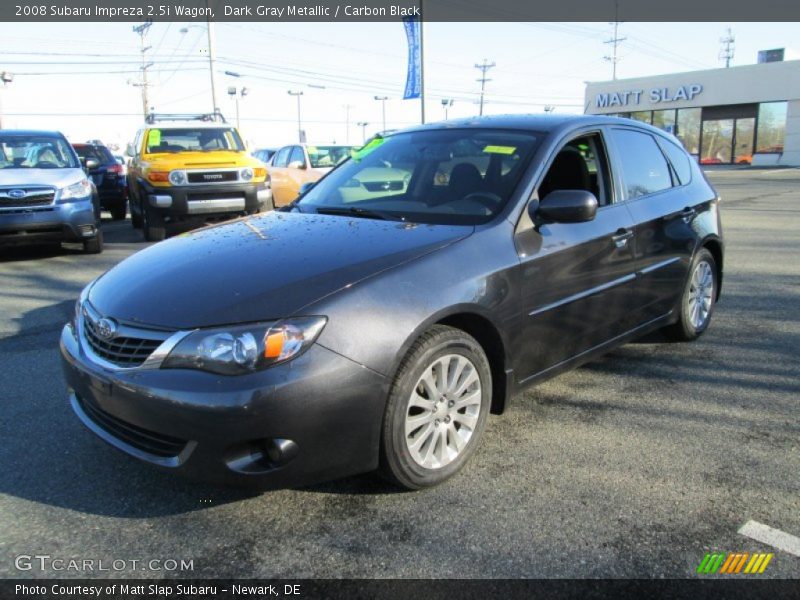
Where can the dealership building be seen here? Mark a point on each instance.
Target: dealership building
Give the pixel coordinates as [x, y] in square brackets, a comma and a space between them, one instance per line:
[738, 115]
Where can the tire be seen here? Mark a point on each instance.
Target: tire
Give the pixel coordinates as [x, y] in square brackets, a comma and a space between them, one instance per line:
[136, 220]
[119, 210]
[427, 441]
[94, 245]
[153, 225]
[701, 286]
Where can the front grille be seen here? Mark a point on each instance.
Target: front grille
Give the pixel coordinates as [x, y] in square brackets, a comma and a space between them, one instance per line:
[32, 197]
[211, 176]
[121, 351]
[157, 444]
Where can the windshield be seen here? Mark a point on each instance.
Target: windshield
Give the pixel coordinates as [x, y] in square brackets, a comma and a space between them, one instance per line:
[435, 176]
[35, 152]
[321, 157]
[191, 139]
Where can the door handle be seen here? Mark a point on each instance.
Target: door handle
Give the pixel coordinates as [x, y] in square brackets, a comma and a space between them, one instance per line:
[621, 237]
[687, 214]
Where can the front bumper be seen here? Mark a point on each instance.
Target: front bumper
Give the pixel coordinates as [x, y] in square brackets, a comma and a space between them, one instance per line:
[178, 202]
[312, 419]
[67, 222]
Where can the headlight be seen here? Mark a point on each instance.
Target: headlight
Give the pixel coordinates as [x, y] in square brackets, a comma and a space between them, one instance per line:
[77, 190]
[246, 348]
[246, 174]
[177, 177]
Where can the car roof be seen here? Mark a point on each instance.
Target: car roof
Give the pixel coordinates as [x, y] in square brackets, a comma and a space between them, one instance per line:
[188, 124]
[525, 122]
[49, 132]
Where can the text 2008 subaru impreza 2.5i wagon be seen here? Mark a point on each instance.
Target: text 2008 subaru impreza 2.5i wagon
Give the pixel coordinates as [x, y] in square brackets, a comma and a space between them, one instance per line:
[376, 322]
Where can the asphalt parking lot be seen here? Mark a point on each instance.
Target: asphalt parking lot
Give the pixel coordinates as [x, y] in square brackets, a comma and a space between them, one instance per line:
[635, 465]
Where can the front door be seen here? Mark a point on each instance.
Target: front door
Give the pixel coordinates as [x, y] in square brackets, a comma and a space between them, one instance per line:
[578, 279]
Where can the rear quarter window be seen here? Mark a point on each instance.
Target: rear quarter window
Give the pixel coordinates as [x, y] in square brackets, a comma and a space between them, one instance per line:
[679, 160]
[644, 168]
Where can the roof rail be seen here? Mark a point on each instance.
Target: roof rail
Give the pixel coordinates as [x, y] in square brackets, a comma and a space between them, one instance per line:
[212, 117]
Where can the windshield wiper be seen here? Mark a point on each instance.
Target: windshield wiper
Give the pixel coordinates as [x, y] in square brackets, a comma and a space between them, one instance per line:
[355, 211]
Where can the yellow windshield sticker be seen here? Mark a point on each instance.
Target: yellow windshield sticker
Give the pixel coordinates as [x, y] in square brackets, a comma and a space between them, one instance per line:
[154, 138]
[358, 154]
[499, 149]
[312, 150]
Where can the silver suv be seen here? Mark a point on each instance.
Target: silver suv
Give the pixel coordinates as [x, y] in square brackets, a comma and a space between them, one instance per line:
[45, 196]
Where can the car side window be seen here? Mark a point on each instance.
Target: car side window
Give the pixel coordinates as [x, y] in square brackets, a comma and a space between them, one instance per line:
[298, 156]
[679, 161]
[137, 144]
[580, 164]
[282, 157]
[644, 168]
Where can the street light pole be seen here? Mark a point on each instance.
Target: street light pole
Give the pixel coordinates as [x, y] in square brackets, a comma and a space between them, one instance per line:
[299, 122]
[446, 104]
[383, 100]
[363, 125]
[347, 108]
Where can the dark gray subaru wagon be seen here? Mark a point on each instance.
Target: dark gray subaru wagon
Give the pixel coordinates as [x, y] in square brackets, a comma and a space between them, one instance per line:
[376, 322]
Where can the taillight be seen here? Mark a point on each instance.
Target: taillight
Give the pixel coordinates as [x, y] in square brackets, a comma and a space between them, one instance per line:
[116, 168]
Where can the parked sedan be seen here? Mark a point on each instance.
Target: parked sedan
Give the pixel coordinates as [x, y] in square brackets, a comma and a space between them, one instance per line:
[392, 325]
[108, 175]
[293, 166]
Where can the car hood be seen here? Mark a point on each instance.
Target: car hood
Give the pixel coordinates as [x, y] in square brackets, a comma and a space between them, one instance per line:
[30, 177]
[258, 268]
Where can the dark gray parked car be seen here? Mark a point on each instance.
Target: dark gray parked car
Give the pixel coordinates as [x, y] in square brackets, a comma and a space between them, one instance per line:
[45, 196]
[367, 327]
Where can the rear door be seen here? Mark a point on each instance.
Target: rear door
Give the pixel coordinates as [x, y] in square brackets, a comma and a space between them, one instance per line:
[578, 279]
[662, 212]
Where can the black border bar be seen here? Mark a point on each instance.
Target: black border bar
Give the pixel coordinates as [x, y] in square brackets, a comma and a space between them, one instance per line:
[732, 588]
[382, 10]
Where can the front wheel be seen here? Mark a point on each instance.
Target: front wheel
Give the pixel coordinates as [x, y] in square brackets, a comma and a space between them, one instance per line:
[153, 225]
[698, 299]
[437, 409]
[94, 245]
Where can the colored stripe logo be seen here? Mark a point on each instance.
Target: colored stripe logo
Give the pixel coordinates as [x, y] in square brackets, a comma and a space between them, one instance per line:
[734, 563]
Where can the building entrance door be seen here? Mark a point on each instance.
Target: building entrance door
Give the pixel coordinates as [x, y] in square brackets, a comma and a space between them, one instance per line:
[727, 141]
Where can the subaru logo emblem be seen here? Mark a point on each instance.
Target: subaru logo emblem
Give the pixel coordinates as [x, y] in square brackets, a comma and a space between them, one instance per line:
[17, 194]
[106, 328]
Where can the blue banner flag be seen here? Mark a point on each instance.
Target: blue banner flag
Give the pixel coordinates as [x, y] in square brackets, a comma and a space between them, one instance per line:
[413, 78]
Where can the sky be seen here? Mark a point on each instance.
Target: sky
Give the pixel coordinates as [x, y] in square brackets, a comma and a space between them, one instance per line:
[80, 77]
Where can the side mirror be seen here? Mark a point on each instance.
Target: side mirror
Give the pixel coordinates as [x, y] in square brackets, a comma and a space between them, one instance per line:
[130, 151]
[92, 164]
[296, 164]
[565, 206]
[306, 186]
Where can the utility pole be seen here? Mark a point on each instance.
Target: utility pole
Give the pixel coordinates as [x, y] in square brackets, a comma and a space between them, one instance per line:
[383, 100]
[363, 125]
[347, 108]
[212, 57]
[141, 30]
[299, 123]
[615, 41]
[726, 52]
[484, 67]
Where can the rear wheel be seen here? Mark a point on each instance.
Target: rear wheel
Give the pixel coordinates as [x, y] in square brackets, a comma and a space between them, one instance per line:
[437, 409]
[697, 301]
[119, 210]
[153, 225]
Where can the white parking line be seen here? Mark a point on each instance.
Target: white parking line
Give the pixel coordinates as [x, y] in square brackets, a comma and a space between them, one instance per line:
[772, 537]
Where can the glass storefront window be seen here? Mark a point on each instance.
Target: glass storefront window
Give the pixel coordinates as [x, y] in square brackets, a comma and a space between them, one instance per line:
[664, 119]
[688, 130]
[641, 115]
[771, 127]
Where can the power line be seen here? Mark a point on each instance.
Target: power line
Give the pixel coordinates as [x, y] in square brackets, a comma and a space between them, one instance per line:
[483, 67]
